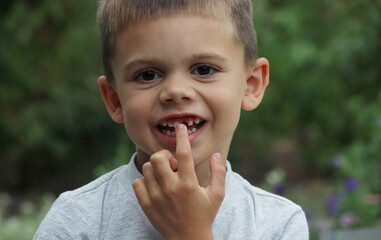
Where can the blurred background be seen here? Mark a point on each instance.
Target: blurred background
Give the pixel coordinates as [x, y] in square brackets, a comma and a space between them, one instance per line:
[315, 139]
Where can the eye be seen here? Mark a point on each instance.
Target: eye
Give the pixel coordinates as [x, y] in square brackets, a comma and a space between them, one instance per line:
[204, 70]
[147, 75]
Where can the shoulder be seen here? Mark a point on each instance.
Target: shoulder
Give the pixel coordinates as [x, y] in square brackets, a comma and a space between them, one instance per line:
[75, 212]
[95, 187]
[91, 194]
[264, 201]
[245, 187]
[273, 215]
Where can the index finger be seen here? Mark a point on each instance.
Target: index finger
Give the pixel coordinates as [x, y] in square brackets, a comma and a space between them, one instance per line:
[184, 156]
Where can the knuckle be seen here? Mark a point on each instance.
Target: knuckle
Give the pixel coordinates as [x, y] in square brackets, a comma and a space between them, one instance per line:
[222, 171]
[146, 206]
[137, 182]
[161, 153]
[165, 152]
[169, 190]
[146, 167]
[182, 154]
[160, 156]
[220, 195]
[188, 187]
[156, 160]
[156, 197]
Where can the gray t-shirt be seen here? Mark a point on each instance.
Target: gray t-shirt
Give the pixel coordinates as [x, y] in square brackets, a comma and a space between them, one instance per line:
[107, 208]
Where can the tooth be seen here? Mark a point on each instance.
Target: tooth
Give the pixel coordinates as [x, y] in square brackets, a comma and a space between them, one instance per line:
[194, 129]
[197, 120]
[175, 124]
[190, 123]
[189, 131]
[168, 133]
[164, 123]
[170, 124]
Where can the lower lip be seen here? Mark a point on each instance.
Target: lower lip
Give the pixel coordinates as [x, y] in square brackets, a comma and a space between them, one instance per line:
[171, 140]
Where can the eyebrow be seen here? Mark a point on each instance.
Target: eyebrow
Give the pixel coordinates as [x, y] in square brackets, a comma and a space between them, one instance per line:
[206, 56]
[137, 62]
[155, 60]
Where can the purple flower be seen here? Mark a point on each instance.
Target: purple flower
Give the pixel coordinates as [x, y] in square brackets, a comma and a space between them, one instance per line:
[278, 188]
[333, 203]
[348, 219]
[351, 184]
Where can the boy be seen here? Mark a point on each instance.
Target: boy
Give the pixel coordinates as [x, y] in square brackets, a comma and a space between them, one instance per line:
[177, 75]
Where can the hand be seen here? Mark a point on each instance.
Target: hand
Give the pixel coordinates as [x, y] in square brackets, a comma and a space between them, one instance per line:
[174, 202]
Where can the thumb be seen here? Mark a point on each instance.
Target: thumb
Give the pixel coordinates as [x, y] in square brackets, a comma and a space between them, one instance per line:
[216, 186]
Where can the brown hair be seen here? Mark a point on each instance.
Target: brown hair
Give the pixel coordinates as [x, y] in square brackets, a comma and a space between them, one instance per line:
[114, 16]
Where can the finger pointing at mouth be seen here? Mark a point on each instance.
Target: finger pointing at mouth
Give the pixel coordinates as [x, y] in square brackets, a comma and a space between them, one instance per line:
[184, 153]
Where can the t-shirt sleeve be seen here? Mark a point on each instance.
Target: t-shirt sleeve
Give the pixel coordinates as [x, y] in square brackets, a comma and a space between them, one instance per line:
[296, 227]
[65, 220]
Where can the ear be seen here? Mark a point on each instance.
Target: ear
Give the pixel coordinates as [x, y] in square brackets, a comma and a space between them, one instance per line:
[111, 99]
[256, 84]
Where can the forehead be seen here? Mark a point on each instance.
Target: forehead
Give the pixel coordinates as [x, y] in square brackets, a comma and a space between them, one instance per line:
[218, 14]
[218, 23]
[176, 37]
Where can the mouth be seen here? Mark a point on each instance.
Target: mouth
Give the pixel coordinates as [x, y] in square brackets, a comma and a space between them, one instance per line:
[169, 125]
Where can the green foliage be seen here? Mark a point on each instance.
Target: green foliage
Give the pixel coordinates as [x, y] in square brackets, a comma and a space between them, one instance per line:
[360, 163]
[24, 225]
[122, 156]
[324, 99]
[322, 54]
[53, 119]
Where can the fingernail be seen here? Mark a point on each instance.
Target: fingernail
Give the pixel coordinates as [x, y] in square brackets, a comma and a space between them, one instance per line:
[217, 156]
[180, 126]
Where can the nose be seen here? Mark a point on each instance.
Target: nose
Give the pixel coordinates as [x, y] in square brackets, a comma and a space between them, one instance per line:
[176, 90]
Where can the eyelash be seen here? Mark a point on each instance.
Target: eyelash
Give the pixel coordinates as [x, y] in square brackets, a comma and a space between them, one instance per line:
[211, 68]
[139, 75]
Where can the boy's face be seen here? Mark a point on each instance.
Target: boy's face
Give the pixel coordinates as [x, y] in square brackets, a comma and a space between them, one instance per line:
[179, 68]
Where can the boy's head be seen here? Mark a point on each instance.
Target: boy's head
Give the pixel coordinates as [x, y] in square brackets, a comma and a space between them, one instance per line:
[188, 62]
[114, 16]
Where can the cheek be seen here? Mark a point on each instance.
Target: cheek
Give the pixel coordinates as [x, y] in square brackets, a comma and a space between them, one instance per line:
[135, 116]
[228, 98]
[227, 106]
[135, 107]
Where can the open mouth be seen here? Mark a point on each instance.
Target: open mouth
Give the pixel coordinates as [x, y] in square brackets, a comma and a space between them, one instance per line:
[168, 126]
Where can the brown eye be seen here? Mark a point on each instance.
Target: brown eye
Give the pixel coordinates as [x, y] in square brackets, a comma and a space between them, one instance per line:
[147, 75]
[204, 70]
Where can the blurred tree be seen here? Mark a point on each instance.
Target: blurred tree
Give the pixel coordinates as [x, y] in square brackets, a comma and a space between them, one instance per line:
[323, 55]
[54, 128]
[324, 58]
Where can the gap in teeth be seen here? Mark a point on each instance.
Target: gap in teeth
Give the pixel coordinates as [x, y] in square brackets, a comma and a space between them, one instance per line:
[174, 124]
[170, 126]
